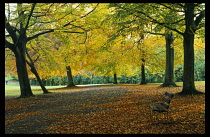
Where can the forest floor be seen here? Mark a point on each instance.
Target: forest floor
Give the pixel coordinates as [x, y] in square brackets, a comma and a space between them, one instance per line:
[111, 109]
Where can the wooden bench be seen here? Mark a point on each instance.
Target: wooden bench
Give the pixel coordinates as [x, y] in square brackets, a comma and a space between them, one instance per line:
[163, 106]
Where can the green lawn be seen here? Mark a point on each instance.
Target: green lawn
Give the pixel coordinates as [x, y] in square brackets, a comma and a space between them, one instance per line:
[14, 90]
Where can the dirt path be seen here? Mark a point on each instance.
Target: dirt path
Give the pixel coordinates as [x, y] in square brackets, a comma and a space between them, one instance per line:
[34, 115]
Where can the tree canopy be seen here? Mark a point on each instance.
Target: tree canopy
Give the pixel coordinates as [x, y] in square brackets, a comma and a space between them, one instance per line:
[103, 38]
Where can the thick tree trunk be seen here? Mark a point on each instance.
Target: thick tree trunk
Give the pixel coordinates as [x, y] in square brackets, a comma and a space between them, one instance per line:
[188, 76]
[143, 77]
[115, 78]
[169, 72]
[70, 78]
[25, 88]
[189, 34]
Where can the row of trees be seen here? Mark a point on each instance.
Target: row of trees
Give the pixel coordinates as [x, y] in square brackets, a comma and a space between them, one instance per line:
[106, 39]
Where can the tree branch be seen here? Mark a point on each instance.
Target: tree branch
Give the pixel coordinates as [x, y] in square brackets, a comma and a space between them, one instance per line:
[29, 16]
[168, 7]
[199, 18]
[73, 32]
[10, 30]
[157, 22]
[41, 33]
[155, 33]
[9, 45]
[81, 16]
[24, 30]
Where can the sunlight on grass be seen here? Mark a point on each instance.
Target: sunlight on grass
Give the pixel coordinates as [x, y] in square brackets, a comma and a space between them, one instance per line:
[14, 90]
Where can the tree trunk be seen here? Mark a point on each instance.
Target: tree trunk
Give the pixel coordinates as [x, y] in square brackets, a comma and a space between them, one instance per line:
[70, 78]
[189, 34]
[33, 70]
[25, 88]
[188, 76]
[143, 77]
[92, 77]
[115, 78]
[169, 73]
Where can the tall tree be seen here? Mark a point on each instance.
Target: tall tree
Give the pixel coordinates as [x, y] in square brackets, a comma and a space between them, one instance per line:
[169, 72]
[19, 49]
[190, 17]
[16, 30]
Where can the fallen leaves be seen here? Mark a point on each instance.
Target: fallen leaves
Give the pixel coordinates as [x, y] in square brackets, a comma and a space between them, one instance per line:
[127, 113]
[17, 117]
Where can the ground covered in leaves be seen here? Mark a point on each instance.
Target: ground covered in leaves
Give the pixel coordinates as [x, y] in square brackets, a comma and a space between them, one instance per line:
[115, 109]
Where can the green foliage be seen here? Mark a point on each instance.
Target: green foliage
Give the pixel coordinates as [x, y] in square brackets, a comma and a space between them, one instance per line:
[105, 41]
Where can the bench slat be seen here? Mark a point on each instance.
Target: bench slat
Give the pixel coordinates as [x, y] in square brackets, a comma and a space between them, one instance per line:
[166, 100]
[163, 107]
[169, 95]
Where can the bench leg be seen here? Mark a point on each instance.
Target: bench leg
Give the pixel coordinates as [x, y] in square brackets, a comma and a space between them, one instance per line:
[154, 115]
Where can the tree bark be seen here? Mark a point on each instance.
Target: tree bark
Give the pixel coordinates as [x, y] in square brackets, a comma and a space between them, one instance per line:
[169, 72]
[25, 88]
[188, 42]
[34, 71]
[143, 77]
[115, 78]
[70, 78]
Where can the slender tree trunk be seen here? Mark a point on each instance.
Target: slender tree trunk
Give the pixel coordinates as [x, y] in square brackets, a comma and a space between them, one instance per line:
[143, 77]
[92, 76]
[25, 88]
[189, 35]
[70, 77]
[169, 73]
[142, 54]
[34, 71]
[115, 78]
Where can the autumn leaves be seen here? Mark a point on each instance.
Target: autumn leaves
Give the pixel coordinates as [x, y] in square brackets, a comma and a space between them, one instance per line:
[106, 110]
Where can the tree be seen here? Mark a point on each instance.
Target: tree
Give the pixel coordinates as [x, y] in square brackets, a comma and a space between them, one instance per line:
[115, 78]
[169, 72]
[34, 71]
[190, 20]
[19, 48]
[189, 34]
[70, 78]
[17, 27]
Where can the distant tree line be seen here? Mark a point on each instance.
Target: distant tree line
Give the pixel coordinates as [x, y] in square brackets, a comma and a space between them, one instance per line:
[123, 79]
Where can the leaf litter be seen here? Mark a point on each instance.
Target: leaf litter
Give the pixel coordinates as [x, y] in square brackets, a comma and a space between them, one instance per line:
[120, 109]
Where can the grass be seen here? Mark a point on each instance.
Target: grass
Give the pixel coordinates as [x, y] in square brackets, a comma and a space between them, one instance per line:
[14, 90]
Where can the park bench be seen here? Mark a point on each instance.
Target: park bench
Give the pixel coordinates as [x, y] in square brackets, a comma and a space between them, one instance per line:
[163, 106]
